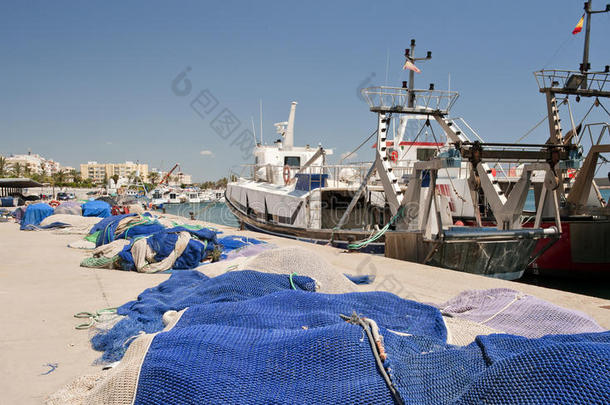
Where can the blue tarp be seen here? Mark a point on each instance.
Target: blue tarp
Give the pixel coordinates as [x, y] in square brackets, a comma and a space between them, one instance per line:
[96, 208]
[34, 214]
[7, 202]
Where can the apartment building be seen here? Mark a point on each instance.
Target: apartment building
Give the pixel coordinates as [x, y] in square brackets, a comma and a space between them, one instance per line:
[98, 172]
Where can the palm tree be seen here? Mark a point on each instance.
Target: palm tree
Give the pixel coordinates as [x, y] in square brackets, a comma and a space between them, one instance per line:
[3, 166]
[153, 177]
[132, 176]
[76, 179]
[59, 178]
[17, 168]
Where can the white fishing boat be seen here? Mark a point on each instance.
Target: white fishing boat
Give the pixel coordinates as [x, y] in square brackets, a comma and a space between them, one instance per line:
[412, 202]
[193, 197]
[173, 197]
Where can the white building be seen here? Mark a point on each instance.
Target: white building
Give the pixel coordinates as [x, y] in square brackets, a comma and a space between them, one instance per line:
[34, 164]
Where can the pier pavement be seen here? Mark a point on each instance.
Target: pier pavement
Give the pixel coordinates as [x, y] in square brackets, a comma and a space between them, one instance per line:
[42, 286]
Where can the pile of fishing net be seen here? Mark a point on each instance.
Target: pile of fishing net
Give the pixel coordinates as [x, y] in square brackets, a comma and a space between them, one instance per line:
[176, 248]
[142, 243]
[259, 338]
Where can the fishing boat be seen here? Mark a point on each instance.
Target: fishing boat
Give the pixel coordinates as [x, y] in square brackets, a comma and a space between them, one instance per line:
[174, 197]
[583, 250]
[158, 197]
[412, 202]
[193, 197]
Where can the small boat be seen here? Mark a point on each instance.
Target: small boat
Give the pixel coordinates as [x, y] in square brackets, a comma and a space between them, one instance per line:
[157, 198]
[193, 197]
[173, 198]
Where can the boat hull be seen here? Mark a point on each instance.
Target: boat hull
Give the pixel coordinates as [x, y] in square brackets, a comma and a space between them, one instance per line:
[499, 259]
[339, 239]
[583, 250]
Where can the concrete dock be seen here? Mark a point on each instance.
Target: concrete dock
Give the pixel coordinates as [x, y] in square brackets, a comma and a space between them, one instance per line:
[42, 286]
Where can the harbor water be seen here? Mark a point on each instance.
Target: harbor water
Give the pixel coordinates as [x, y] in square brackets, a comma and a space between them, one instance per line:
[213, 212]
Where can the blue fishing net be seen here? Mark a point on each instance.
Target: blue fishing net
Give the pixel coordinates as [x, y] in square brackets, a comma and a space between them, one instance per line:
[184, 289]
[287, 347]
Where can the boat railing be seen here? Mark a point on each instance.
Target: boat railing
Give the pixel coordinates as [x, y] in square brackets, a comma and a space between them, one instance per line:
[597, 133]
[574, 82]
[403, 100]
[337, 175]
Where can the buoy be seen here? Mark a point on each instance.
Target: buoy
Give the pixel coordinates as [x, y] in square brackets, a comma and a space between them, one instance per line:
[286, 174]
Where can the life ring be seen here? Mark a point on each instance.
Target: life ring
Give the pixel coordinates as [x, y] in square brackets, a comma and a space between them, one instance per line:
[394, 156]
[54, 203]
[286, 174]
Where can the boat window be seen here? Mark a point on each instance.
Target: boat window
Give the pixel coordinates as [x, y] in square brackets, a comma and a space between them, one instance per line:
[292, 161]
[425, 153]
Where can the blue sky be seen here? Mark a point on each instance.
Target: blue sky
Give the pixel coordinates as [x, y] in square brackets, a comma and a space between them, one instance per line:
[86, 81]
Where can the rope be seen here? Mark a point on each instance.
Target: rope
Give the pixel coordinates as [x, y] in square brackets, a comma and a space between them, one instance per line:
[602, 106]
[382, 231]
[370, 327]
[530, 131]
[518, 296]
[291, 282]
[359, 146]
[52, 367]
[93, 317]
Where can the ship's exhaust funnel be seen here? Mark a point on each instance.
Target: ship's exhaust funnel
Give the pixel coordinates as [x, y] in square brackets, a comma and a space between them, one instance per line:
[289, 135]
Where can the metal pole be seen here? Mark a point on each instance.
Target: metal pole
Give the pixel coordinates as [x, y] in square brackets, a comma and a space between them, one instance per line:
[356, 197]
[585, 56]
[412, 77]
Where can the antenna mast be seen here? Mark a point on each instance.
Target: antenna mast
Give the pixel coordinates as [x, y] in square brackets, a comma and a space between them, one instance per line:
[410, 55]
[585, 66]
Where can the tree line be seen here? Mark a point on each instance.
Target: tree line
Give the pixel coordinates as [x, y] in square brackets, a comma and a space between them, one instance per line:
[72, 178]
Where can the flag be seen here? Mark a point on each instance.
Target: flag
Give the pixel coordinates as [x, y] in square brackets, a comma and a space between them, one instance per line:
[578, 27]
[410, 66]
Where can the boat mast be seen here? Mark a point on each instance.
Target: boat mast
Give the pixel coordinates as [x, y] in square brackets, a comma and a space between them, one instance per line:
[585, 66]
[410, 55]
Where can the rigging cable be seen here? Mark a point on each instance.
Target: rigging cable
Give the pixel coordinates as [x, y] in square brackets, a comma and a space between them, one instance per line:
[446, 169]
[359, 146]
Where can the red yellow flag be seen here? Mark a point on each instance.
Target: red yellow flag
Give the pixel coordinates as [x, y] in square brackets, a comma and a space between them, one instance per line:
[578, 27]
[410, 66]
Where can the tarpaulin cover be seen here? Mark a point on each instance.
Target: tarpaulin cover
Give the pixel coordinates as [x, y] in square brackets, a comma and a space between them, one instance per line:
[96, 208]
[69, 207]
[7, 202]
[34, 214]
[184, 289]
